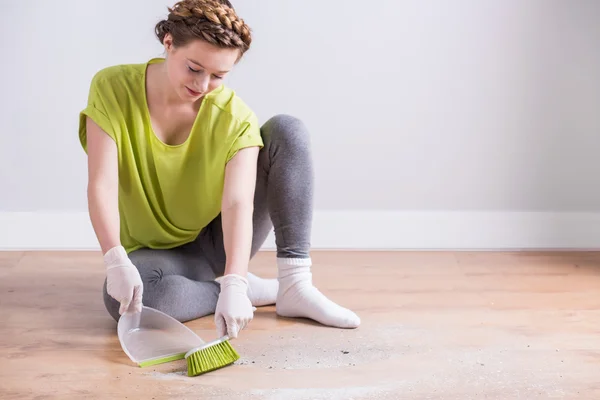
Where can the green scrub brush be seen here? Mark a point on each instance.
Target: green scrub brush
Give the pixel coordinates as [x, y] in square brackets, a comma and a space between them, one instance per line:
[211, 356]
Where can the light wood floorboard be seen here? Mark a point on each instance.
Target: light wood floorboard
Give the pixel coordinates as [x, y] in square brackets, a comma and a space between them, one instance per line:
[435, 325]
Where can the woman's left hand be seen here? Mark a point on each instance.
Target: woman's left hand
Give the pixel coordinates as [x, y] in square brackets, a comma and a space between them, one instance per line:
[234, 310]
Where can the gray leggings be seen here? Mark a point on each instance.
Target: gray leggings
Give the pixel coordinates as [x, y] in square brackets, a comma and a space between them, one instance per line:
[180, 281]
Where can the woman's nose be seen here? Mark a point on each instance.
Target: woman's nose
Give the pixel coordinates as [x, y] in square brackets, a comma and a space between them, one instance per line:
[202, 83]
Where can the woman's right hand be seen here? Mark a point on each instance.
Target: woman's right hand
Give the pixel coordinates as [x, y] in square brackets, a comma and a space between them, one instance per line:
[123, 281]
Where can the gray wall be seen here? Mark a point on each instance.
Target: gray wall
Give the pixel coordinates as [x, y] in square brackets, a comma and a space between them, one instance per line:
[439, 105]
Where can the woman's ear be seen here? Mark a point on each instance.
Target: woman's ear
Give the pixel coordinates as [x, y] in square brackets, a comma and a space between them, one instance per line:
[168, 42]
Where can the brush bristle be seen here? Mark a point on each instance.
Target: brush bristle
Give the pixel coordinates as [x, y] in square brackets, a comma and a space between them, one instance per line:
[211, 358]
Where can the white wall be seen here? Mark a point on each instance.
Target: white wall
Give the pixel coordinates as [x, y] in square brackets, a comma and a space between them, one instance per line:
[435, 124]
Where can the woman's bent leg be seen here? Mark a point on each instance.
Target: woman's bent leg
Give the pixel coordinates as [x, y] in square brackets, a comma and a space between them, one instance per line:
[283, 201]
[288, 191]
[178, 282]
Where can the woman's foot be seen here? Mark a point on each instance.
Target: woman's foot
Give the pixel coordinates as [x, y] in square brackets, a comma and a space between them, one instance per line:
[298, 298]
[261, 291]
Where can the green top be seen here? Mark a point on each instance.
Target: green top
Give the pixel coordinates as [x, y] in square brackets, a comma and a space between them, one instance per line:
[167, 194]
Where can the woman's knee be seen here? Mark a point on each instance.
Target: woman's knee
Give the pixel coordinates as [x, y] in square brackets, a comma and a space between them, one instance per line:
[286, 130]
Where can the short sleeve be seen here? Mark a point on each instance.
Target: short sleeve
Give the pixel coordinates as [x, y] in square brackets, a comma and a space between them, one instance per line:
[96, 109]
[249, 137]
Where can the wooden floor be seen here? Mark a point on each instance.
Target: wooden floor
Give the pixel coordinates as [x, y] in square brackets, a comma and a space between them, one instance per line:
[434, 326]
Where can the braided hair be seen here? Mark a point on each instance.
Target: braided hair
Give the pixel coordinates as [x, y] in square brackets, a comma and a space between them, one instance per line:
[214, 21]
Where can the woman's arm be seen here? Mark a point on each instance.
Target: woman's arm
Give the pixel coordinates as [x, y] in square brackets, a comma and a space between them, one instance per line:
[237, 209]
[234, 309]
[102, 189]
[123, 281]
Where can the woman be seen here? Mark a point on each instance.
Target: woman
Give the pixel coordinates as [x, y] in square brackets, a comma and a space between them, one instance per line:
[184, 185]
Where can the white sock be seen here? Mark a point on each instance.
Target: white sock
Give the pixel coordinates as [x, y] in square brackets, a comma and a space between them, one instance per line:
[261, 291]
[298, 298]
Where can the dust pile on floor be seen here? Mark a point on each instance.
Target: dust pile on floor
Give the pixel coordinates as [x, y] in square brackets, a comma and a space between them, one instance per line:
[317, 348]
[384, 361]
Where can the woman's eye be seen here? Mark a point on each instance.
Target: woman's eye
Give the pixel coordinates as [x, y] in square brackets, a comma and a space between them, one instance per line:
[218, 77]
[192, 69]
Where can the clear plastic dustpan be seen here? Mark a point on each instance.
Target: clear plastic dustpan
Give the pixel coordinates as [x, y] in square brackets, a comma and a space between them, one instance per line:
[153, 337]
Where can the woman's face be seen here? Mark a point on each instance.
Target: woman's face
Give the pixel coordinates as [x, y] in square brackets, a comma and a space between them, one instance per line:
[197, 68]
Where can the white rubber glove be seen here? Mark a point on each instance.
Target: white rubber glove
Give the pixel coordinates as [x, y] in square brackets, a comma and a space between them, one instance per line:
[234, 310]
[123, 281]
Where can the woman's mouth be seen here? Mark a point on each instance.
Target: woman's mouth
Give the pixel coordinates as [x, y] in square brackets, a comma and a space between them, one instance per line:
[193, 92]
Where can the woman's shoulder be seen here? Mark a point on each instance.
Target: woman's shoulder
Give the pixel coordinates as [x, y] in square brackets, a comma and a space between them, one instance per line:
[118, 75]
[229, 102]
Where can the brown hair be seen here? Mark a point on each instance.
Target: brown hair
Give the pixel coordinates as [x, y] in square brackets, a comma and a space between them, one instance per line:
[214, 21]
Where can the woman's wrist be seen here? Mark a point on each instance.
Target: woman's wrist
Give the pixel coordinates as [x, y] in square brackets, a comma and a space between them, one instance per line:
[116, 256]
